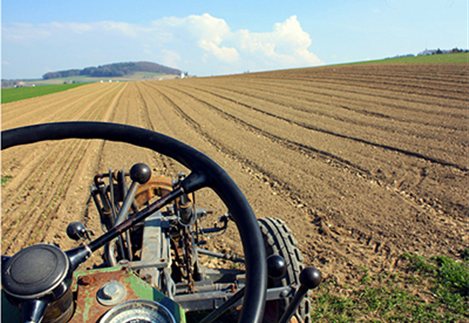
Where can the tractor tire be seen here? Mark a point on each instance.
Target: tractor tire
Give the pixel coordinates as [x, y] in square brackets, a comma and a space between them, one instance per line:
[279, 240]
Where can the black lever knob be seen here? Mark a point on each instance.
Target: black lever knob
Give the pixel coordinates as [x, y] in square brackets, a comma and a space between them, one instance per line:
[77, 231]
[276, 266]
[140, 173]
[310, 277]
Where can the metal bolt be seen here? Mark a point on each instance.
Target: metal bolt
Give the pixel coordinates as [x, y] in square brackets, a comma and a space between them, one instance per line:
[111, 293]
[110, 289]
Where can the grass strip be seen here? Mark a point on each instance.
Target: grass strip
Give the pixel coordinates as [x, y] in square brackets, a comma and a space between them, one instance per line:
[434, 289]
[21, 93]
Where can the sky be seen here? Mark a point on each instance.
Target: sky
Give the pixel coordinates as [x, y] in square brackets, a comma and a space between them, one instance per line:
[213, 37]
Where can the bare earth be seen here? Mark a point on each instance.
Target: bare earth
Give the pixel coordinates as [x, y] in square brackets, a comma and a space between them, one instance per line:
[363, 162]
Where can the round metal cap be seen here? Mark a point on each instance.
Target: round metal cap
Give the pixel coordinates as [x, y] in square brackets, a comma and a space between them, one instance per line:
[112, 293]
[34, 271]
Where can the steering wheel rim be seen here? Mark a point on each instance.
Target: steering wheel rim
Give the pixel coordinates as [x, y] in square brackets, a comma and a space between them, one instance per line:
[204, 173]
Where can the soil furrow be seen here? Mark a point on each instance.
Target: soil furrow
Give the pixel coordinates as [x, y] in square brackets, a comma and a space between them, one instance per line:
[277, 182]
[34, 164]
[369, 96]
[355, 105]
[381, 83]
[356, 139]
[415, 139]
[330, 159]
[309, 150]
[56, 183]
[58, 106]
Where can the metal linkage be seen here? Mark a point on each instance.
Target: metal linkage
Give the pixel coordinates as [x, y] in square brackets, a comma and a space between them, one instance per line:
[78, 255]
[220, 255]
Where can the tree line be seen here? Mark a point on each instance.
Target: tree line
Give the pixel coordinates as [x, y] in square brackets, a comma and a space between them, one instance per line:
[113, 70]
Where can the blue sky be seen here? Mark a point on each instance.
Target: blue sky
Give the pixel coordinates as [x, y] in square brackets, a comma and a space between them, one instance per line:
[219, 37]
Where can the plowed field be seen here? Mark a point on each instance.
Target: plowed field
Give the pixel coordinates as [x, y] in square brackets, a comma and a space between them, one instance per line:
[363, 162]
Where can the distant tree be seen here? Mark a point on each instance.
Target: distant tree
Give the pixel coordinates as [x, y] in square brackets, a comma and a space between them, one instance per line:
[59, 74]
[115, 70]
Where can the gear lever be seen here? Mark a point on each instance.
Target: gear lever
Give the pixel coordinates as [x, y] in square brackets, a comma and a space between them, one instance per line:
[310, 278]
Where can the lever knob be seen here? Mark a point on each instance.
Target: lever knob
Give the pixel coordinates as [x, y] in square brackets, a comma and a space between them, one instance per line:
[310, 277]
[276, 266]
[140, 173]
[76, 231]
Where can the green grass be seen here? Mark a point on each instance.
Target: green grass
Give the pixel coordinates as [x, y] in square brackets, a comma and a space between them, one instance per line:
[5, 179]
[454, 58]
[422, 290]
[16, 94]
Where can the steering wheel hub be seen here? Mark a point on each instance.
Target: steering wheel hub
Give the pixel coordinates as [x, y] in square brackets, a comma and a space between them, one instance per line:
[35, 271]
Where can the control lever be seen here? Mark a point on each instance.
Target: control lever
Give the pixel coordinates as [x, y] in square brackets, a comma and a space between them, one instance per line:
[310, 278]
[77, 231]
[140, 173]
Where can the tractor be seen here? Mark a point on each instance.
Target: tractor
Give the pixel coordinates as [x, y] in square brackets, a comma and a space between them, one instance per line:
[154, 250]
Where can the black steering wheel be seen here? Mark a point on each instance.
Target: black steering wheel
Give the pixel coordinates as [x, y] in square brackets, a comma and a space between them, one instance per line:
[36, 290]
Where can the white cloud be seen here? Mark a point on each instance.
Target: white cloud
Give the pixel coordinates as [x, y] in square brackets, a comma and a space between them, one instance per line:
[286, 46]
[205, 32]
[200, 44]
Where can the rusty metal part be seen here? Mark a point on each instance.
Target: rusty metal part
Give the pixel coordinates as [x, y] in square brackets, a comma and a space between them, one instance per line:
[86, 280]
[157, 186]
[112, 293]
[88, 288]
[89, 283]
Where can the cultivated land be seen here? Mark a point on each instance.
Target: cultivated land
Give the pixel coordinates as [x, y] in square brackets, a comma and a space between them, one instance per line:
[364, 162]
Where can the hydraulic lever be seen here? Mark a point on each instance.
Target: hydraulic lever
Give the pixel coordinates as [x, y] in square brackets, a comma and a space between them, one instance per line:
[139, 174]
[310, 278]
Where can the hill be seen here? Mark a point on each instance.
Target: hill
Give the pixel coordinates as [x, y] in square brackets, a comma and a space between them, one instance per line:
[114, 70]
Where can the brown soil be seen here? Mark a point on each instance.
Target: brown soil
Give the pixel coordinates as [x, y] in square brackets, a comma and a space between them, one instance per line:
[364, 163]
